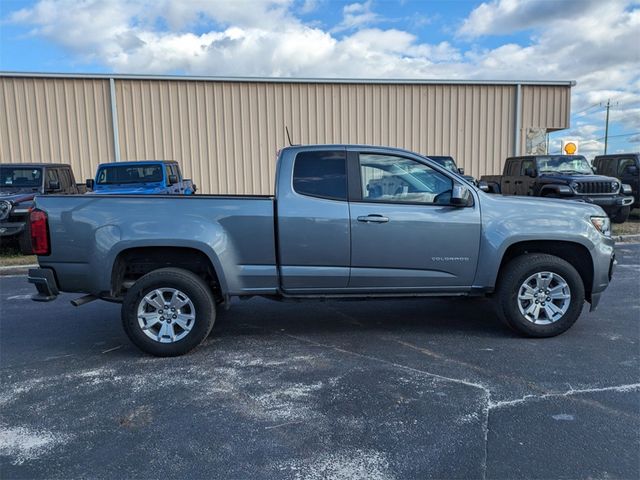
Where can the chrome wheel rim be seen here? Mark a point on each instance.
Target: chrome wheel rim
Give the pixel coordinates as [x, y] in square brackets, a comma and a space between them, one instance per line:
[166, 315]
[544, 298]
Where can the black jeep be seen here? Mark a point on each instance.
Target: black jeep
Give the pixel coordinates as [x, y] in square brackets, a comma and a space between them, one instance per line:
[19, 184]
[562, 176]
[625, 167]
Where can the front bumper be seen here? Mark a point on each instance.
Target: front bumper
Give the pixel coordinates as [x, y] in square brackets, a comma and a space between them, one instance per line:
[609, 200]
[45, 282]
[595, 296]
[12, 229]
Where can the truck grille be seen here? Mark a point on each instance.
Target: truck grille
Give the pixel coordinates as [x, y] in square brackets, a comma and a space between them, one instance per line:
[595, 188]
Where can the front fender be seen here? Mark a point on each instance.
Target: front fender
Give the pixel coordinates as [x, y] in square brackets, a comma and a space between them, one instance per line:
[511, 220]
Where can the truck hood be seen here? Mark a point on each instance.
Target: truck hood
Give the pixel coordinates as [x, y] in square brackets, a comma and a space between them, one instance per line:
[574, 177]
[17, 196]
[542, 206]
[135, 189]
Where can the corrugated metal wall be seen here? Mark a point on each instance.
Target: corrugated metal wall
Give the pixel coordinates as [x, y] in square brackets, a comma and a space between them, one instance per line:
[545, 107]
[56, 121]
[226, 133]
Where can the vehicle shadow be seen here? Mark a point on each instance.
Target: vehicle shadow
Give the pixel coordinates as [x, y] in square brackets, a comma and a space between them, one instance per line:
[468, 316]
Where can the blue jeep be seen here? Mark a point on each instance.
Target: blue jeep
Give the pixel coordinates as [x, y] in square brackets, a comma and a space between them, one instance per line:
[149, 177]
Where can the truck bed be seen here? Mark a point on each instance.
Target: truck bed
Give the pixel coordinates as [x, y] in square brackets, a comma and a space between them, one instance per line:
[90, 231]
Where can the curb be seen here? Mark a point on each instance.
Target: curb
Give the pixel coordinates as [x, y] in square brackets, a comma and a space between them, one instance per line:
[627, 238]
[16, 269]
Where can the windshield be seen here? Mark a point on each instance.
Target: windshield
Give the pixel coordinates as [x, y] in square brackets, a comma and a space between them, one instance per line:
[20, 177]
[564, 164]
[117, 175]
[446, 162]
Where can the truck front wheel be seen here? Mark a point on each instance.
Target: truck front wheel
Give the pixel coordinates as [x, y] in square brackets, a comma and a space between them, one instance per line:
[168, 312]
[621, 215]
[539, 295]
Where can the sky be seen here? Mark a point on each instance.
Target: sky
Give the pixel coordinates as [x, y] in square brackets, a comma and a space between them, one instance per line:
[594, 42]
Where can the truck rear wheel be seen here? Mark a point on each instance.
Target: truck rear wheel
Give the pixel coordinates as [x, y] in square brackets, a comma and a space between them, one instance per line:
[168, 312]
[540, 295]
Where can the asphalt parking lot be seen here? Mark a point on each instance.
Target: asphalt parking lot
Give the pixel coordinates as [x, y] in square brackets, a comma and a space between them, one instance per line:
[376, 390]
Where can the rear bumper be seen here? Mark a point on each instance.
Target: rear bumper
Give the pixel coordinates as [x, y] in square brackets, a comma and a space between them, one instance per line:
[45, 282]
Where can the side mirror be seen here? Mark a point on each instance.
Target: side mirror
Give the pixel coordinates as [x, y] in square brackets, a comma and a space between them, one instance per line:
[461, 171]
[54, 186]
[460, 196]
[631, 170]
[90, 183]
[530, 172]
[173, 179]
[484, 186]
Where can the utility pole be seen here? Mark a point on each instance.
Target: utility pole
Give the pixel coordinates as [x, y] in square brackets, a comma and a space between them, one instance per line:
[606, 127]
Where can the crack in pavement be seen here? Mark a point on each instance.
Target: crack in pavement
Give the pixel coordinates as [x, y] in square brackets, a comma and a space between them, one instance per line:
[617, 388]
[488, 406]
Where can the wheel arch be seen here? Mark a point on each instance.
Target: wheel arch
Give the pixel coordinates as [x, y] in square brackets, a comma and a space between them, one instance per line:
[133, 262]
[575, 253]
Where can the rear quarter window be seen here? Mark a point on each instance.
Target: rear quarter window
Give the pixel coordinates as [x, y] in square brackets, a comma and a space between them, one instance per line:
[321, 174]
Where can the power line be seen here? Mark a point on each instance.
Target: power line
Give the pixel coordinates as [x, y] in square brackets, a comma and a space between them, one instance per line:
[620, 135]
[599, 104]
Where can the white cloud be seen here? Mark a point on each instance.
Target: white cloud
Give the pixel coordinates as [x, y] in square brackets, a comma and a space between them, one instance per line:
[500, 17]
[356, 15]
[590, 41]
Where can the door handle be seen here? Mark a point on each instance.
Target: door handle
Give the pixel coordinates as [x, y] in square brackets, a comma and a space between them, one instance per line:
[374, 218]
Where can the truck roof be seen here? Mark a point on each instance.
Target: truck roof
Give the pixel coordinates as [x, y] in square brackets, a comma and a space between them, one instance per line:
[138, 162]
[33, 164]
[319, 146]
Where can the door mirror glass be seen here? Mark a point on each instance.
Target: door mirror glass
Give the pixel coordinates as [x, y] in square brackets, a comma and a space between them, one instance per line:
[631, 170]
[90, 183]
[173, 179]
[530, 172]
[461, 171]
[484, 186]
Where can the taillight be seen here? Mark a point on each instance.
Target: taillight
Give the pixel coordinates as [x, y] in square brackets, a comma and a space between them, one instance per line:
[39, 232]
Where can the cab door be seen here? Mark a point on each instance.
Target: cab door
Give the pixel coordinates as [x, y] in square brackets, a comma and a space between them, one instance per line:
[313, 227]
[405, 237]
[629, 175]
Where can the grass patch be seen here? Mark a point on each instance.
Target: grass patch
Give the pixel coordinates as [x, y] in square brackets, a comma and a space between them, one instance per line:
[630, 227]
[11, 256]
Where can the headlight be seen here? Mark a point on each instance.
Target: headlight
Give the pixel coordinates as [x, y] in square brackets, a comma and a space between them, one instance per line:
[602, 224]
[5, 209]
[615, 186]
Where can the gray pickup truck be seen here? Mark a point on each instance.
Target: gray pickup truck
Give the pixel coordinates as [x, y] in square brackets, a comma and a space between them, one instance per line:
[345, 222]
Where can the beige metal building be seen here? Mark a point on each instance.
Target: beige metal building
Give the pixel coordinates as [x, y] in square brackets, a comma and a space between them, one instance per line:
[225, 132]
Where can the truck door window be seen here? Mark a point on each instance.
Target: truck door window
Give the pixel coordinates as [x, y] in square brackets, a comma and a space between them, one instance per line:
[388, 178]
[52, 176]
[527, 164]
[65, 181]
[321, 174]
[623, 163]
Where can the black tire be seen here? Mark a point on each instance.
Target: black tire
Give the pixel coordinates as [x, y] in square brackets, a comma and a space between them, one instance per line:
[512, 277]
[622, 215]
[197, 291]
